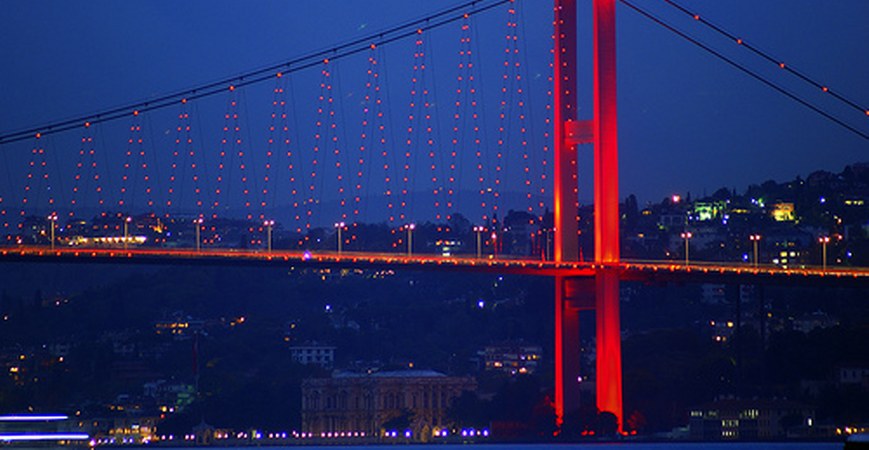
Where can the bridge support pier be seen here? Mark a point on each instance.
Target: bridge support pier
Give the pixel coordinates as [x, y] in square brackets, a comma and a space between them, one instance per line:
[600, 296]
[572, 295]
[609, 344]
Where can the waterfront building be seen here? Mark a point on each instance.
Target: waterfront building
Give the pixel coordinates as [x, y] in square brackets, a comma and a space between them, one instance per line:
[737, 419]
[412, 403]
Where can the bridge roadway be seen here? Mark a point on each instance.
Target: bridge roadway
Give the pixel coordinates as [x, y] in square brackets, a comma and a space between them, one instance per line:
[646, 271]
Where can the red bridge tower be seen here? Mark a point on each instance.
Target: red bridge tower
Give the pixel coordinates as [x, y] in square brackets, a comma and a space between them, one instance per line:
[601, 294]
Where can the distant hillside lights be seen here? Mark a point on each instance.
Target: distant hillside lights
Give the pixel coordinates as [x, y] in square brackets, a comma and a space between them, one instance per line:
[180, 327]
[313, 353]
[705, 211]
[783, 212]
[511, 359]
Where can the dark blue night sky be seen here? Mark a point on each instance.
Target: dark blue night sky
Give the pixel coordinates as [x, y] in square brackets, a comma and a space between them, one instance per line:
[688, 122]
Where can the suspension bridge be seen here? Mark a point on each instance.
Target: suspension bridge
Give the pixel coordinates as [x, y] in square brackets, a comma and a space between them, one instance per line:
[338, 158]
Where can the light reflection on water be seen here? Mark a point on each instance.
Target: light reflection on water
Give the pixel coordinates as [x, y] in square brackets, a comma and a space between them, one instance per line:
[585, 446]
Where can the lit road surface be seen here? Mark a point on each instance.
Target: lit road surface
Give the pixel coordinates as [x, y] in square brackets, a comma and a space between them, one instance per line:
[629, 270]
[320, 258]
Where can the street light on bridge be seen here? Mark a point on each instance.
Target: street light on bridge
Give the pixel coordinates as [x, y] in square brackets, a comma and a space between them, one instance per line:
[269, 224]
[824, 240]
[53, 219]
[198, 223]
[755, 240]
[340, 226]
[127, 230]
[410, 227]
[479, 230]
[686, 235]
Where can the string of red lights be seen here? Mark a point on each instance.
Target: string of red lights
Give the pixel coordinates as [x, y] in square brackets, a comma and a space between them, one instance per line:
[31, 167]
[77, 173]
[413, 125]
[221, 163]
[127, 199]
[334, 141]
[293, 162]
[428, 136]
[146, 171]
[3, 213]
[239, 144]
[190, 150]
[546, 149]
[318, 142]
[823, 87]
[176, 160]
[365, 136]
[464, 89]
[744, 69]
[137, 168]
[273, 134]
[472, 98]
[379, 127]
[313, 59]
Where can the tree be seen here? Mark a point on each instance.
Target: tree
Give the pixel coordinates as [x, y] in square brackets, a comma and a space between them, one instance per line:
[635, 421]
[468, 411]
[606, 425]
[543, 419]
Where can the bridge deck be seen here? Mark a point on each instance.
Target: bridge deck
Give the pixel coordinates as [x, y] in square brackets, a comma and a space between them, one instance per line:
[648, 271]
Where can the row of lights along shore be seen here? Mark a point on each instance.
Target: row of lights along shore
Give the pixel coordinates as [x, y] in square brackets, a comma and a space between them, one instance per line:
[295, 435]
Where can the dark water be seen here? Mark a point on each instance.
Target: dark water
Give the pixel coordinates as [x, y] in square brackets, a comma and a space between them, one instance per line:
[611, 446]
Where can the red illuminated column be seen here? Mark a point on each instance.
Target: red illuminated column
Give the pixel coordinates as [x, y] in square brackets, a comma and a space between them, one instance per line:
[564, 105]
[609, 344]
[567, 351]
[606, 156]
[606, 211]
[559, 350]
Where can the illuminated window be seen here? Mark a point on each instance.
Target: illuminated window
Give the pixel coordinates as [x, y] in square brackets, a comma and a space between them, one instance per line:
[783, 212]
